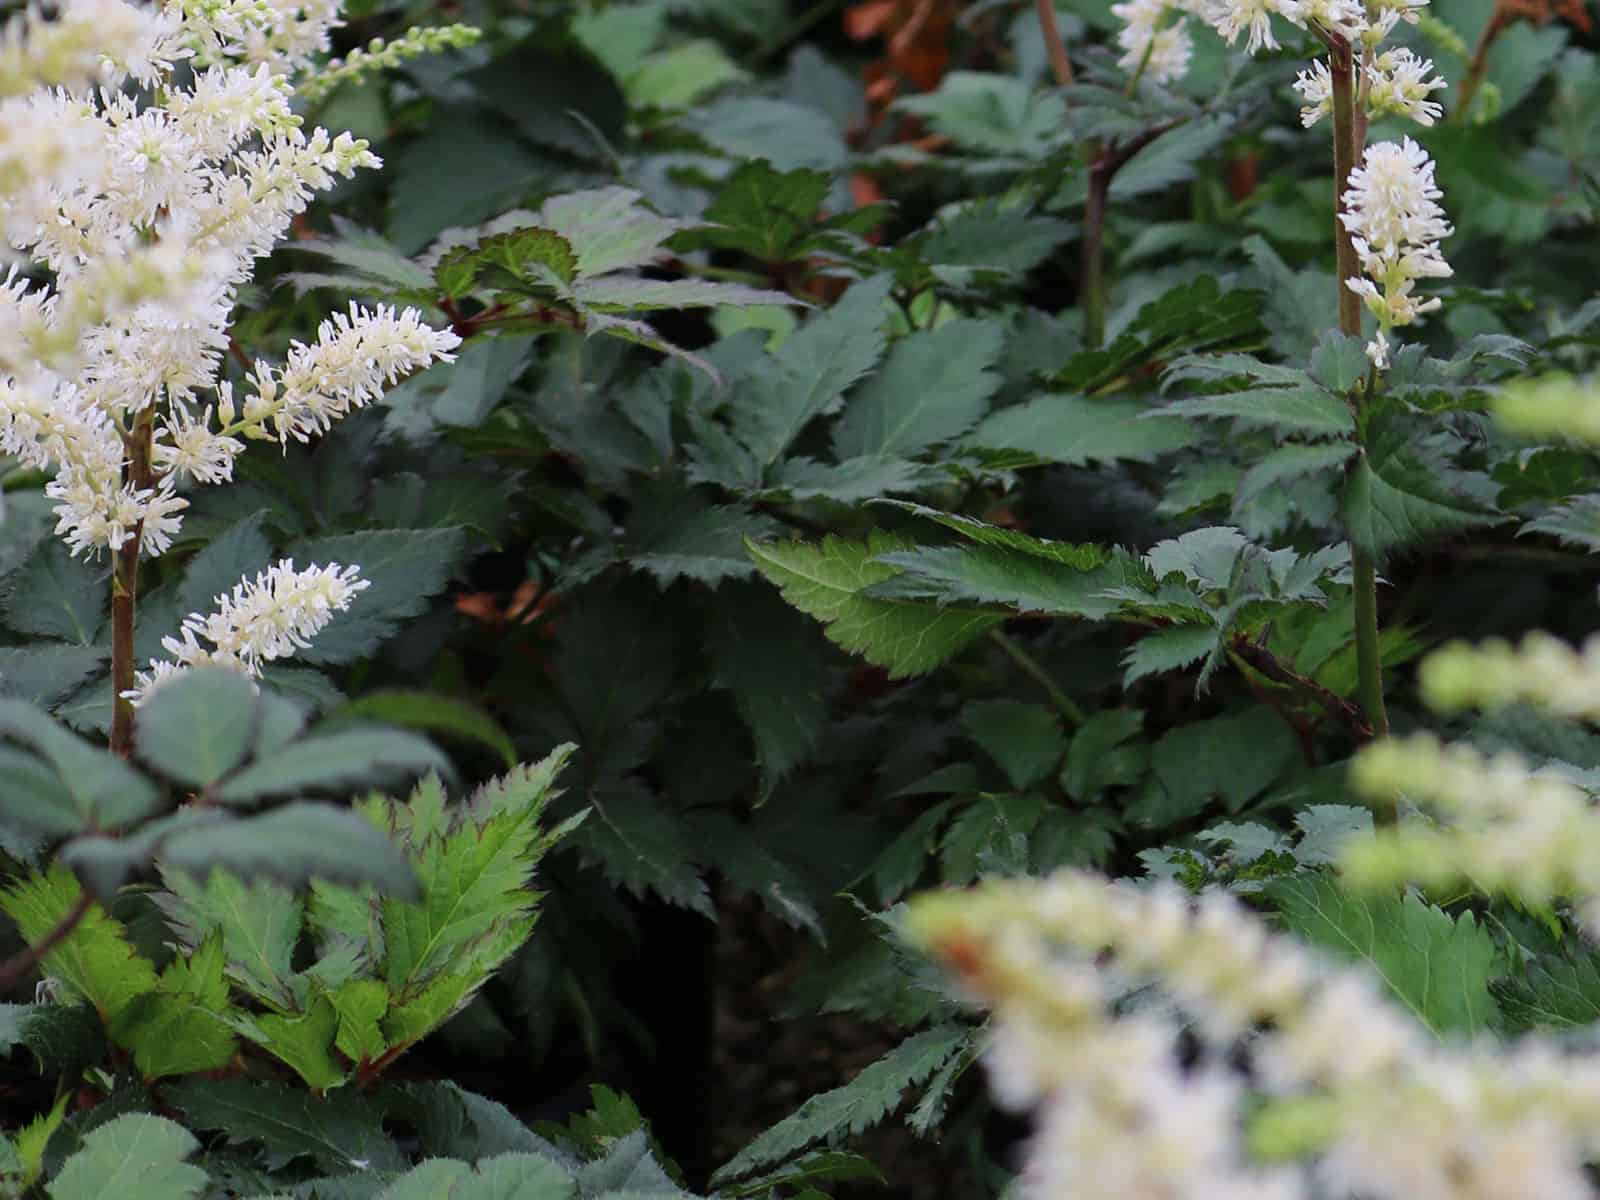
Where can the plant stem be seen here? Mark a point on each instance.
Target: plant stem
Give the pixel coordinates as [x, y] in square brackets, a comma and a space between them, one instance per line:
[14, 969]
[1346, 151]
[1092, 264]
[125, 590]
[1065, 704]
[1369, 664]
[1478, 67]
[1104, 163]
[1057, 49]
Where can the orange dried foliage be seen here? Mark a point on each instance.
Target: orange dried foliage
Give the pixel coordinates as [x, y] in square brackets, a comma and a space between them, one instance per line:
[916, 34]
[528, 603]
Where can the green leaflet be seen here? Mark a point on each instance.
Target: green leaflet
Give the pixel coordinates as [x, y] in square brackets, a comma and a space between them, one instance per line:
[827, 581]
[137, 1156]
[1436, 966]
[862, 1102]
[95, 960]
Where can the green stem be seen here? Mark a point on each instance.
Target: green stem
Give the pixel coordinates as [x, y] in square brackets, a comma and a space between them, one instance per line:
[1065, 704]
[1346, 151]
[1369, 665]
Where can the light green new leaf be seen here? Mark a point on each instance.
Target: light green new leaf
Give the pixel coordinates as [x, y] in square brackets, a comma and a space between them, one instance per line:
[361, 1004]
[134, 1157]
[934, 386]
[304, 1041]
[185, 1025]
[95, 960]
[198, 727]
[426, 1008]
[259, 924]
[872, 1095]
[827, 580]
[171, 1035]
[1436, 967]
[471, 881]
[676, 77]
[1076, 430]
[34, 1137]
[524, 789]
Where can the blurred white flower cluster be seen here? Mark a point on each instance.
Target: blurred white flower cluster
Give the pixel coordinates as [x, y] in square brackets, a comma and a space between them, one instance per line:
[137, 221]
[1261, 1073]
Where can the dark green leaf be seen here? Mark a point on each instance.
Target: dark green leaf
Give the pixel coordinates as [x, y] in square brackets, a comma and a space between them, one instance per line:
[56, 595]
[342, 1131]
[1024, 739]
[334, 762]
[431, 713]
[933, 387]
[1076, 431]
[295, 843]
[199, 726]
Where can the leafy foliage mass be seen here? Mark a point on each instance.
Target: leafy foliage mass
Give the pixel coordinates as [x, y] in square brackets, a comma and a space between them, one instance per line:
[788, 499]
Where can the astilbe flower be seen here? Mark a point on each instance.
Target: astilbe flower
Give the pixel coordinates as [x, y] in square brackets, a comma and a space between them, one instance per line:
[1288, 1058]
[145, 216]
[1154, 38]
[1392, 213]
[261, 620]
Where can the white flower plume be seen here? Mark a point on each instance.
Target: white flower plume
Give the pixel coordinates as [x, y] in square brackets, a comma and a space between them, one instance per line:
[1154, 37]
[267, 618]
[146, 215]
[1392, 212]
